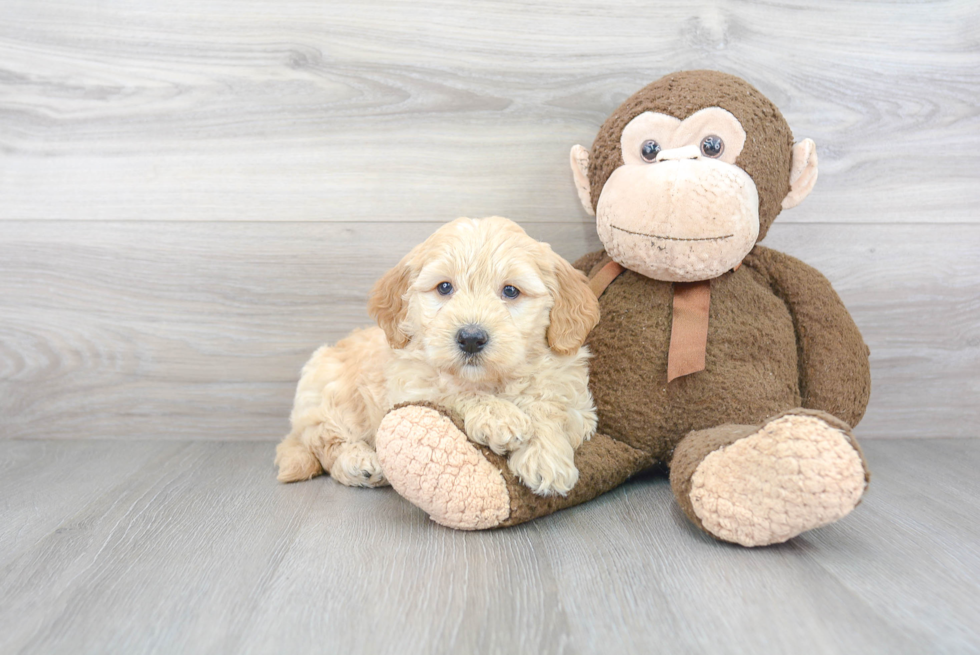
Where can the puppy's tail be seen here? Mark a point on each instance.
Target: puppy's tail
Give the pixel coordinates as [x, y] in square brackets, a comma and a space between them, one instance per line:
[295, 460]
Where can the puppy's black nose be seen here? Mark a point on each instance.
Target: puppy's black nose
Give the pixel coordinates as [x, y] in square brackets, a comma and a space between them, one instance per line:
[472, 339]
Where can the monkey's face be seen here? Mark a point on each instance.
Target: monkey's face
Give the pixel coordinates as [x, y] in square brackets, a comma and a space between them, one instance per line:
[689, 173]
[679, 209]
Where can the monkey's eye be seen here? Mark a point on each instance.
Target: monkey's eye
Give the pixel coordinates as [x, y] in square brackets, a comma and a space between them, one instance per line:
[649, 150]
[444, 288]
[511, 292]
[712, 146]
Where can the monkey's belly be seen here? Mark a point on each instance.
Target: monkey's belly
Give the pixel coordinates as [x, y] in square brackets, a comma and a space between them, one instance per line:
[751, 369]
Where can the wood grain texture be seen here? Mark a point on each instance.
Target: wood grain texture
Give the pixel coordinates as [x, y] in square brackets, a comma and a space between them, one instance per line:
[194, 548]
[42, 484]
[177, 330]
[194, 195]
[418, 111]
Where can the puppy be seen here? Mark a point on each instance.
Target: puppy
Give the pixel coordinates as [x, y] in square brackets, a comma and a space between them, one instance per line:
[481, 319]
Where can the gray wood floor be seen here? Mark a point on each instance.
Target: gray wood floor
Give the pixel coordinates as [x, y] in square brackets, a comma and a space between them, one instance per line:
[192, 547]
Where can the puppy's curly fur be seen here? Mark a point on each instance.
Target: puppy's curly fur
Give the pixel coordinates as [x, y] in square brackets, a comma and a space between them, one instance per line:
[520, 385]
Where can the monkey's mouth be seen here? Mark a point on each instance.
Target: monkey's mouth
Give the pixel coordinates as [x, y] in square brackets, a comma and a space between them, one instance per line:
[665, 238]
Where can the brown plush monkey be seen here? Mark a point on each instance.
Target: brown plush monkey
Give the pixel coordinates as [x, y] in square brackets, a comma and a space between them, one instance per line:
[735, 366]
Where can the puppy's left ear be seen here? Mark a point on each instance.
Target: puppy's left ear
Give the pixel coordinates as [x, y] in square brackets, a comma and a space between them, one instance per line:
[387, 304]
[576, 309]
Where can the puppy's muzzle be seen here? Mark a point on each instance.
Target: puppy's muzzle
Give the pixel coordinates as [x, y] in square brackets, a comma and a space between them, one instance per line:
[472, 339]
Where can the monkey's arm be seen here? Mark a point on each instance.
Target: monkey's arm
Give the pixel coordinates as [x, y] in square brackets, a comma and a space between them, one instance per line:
[833, 359]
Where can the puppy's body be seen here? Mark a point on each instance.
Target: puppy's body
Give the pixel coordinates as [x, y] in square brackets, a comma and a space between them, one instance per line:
[451, 334]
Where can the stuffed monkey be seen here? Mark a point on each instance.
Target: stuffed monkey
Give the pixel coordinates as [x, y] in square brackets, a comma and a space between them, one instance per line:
[734, 366]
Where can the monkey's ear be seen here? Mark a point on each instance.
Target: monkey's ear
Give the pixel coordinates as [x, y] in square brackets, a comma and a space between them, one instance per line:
[575, 312]
[387, 304]
[580, 171]
[803, 173]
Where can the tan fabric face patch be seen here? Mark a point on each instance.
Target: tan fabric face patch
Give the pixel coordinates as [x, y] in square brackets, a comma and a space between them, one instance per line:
[647, 126]
[671, 133]
[679, 221]
[795, 474]
[713, 121]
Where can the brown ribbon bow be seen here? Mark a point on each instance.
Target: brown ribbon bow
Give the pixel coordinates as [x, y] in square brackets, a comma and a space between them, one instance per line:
[688, 328]
[689, 321]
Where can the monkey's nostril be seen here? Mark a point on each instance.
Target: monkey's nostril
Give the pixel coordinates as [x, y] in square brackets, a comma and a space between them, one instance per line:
[472, 339]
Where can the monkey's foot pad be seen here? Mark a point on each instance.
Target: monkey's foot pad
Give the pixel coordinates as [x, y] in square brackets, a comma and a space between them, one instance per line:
[432, 464]
[795, 474]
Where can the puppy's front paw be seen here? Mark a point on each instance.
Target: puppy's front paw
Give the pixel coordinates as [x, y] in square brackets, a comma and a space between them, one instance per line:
[357, 465]
[499, 424]
[547, 471]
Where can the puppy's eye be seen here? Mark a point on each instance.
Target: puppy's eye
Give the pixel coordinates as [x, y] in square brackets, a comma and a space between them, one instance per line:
[649, 150]
[511, 292]
[444, 288]
[712, 146]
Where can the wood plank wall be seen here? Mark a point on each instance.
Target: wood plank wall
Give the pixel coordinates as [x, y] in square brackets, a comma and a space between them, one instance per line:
[194, 195]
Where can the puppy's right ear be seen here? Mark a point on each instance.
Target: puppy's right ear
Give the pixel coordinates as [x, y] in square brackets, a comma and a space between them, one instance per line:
[387, 304]
[576, 309]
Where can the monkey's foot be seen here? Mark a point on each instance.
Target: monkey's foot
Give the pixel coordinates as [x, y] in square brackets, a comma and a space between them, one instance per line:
[795, 473]
[431, 463]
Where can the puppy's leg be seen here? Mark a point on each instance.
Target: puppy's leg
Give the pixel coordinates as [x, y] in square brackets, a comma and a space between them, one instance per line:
[296, 461]
[545, 463]
[357, 465]
[327, 447]
[559, 425]
[347, 456]
[490, 421]
[308, 451]
[339, 402]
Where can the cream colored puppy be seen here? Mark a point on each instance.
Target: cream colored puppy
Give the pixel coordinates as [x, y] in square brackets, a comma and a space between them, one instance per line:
[481, 319]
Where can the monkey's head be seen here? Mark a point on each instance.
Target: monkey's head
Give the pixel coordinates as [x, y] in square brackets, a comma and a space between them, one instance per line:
[689, 173]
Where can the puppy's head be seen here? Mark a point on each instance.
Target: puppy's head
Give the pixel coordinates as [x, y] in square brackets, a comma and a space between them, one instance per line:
[480, 297]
